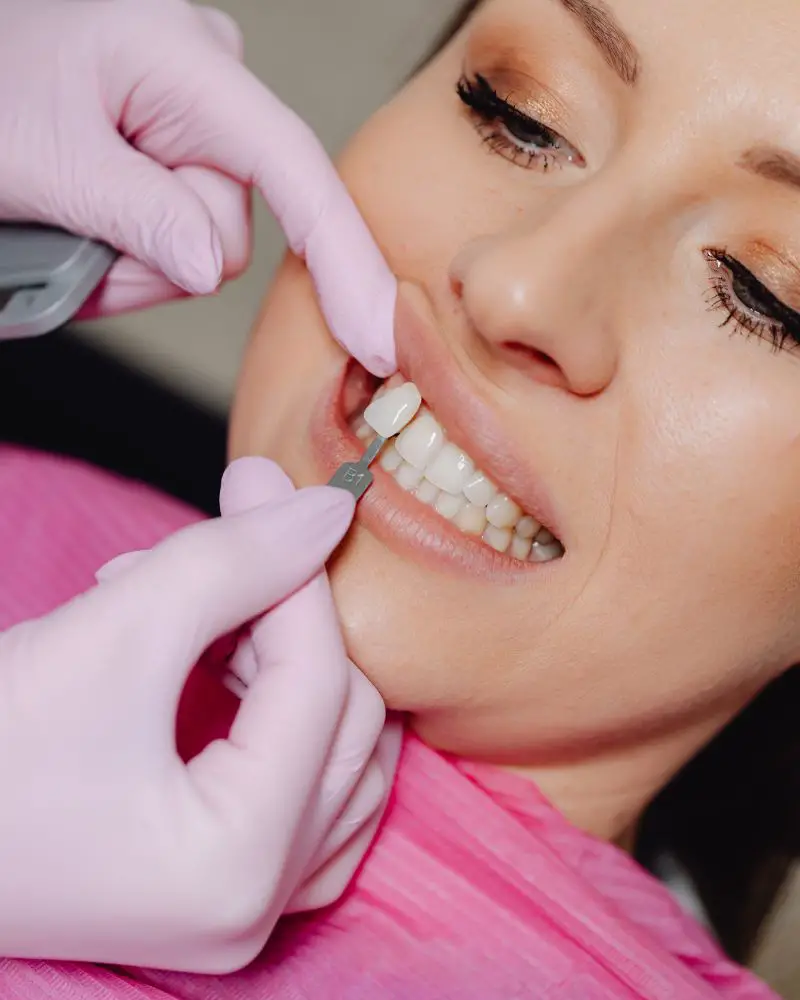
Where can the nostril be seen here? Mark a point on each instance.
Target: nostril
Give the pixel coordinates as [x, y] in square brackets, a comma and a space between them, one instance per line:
[534, 362]
[529, 353]
[457, 286]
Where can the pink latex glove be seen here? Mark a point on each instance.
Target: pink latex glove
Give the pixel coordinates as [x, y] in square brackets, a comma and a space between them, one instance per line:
[134, 122]
[114, 850]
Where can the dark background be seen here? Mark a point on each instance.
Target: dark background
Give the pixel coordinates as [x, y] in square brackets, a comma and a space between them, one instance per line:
[58, 394]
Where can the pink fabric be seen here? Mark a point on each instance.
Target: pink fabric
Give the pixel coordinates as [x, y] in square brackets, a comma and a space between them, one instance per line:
[477, 888]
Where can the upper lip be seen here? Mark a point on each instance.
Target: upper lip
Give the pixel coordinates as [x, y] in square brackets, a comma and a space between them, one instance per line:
[468, 419]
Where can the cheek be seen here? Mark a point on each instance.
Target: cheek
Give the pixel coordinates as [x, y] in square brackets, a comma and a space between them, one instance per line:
[707, 512]
[423, 180]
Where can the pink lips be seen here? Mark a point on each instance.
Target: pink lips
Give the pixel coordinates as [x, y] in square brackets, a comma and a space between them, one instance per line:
[401, 521]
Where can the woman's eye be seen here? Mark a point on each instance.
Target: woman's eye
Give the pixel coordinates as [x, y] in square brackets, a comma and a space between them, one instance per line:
[512, 133]
[749, 304]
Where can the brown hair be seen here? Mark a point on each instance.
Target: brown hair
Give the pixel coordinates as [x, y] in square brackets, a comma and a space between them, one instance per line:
[731, 817]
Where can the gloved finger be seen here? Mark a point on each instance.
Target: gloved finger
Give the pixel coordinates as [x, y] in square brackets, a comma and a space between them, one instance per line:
[213, 577]
[224, 29]
[230, 121]
[114, 567]
[131, 285]
[246, 483]
[146, 211]
[250, 481]
[290, 713]
[329, 882]
[363, 799]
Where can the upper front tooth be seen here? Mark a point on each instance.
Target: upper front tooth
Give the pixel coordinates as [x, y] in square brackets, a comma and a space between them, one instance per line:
[387, 415]
[421, 441]
[502, 512]
[450, 469]
[479, 490]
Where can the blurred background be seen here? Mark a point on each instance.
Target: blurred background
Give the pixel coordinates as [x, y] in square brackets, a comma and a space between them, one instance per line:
[147, 395]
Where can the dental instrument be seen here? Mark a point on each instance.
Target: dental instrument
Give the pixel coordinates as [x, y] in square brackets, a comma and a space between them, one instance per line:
[46, 276]
[387, 415]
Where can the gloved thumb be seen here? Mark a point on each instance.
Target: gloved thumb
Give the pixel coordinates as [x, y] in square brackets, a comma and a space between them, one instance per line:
[148, 212]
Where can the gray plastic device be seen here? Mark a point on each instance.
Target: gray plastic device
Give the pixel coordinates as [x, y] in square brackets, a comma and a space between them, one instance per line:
[46, 276]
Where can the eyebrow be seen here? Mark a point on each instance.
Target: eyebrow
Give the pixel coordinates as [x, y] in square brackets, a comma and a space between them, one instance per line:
[773, 164]
[616, 47]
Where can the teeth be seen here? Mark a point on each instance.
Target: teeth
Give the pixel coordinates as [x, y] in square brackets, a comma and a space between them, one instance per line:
[546, 553]
[450, 470]
[391, 459]
[390, 413]
[427, 492]
[448, 505]
[498, 538]
[520, 547]
[421, 441]
[528, 527]
[471, 519]
[408, 477]
[502, 512]
[441, 475]
[363, 431]
[479, 490]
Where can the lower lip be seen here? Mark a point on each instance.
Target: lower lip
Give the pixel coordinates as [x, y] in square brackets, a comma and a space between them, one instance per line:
[397, 518]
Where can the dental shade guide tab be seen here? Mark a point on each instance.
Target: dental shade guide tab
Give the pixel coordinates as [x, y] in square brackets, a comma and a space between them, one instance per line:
[355, 477]
[387, 416]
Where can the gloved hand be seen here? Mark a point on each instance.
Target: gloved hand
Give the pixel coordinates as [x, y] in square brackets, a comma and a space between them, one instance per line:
[134, 122]
[112, 849]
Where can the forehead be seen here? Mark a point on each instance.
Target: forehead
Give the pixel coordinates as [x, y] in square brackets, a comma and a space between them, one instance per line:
[751, 40]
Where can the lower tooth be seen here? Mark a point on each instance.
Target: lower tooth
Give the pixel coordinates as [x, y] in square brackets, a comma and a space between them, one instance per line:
[498, 538]
[449, 506]
[502, 512]
[408, 477]
[527, 527]
[427, 492]
[520, 547]
[546, 553]
[363, 431]
[471, 519]
[391, 459]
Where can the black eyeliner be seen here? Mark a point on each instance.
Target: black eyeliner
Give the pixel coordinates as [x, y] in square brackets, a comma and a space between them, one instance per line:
[481, 97]
[764, 301]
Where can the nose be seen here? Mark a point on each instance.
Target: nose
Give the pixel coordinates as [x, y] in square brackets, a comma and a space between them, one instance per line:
[543, 296]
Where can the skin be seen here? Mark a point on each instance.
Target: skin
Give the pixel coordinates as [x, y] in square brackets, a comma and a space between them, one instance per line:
[574, 303]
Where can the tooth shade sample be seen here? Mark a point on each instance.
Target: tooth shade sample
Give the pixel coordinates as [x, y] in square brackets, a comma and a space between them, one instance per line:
[450, 470]
[422, 441]
[388, 414]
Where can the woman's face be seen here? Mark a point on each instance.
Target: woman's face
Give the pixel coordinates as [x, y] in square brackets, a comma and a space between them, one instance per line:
[597, 290]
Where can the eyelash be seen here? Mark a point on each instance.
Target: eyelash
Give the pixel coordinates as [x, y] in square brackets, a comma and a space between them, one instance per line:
[745, 301]
[506, 130]
[749, 304]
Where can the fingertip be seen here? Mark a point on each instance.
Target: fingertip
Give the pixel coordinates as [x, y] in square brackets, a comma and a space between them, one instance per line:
[251, 481]
[198, 270]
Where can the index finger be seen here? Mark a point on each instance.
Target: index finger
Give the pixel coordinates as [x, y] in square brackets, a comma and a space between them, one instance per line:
[281, 738]
[225, 118]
